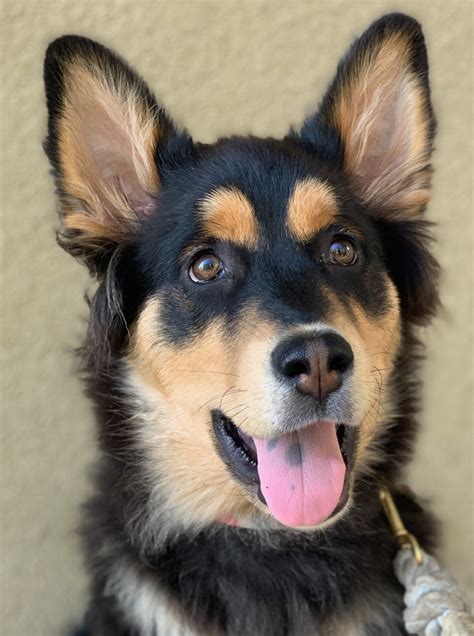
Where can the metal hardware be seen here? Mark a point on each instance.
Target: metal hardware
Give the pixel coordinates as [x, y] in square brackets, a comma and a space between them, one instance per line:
[405, 539]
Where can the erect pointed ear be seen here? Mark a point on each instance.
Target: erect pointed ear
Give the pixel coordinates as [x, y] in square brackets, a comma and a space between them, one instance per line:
[379, 107]
[104, 131]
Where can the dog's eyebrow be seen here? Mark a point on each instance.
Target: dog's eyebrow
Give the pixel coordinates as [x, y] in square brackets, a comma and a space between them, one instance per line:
[228, 215]
[311, 208]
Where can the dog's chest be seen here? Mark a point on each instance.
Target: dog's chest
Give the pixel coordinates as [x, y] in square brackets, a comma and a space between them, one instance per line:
[150, 610]
[145, 606]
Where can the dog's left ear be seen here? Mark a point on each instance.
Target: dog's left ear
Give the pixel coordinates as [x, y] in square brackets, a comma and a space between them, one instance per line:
[105, 134]
[379, 107]
[377, 124]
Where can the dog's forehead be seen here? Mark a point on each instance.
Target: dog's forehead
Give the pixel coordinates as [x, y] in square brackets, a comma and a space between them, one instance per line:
[249, 189]
[228, 214]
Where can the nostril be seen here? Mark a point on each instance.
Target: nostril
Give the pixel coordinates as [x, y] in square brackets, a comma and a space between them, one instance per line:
[289, 359]
[340, 354]
[295, 368]
[339, 363]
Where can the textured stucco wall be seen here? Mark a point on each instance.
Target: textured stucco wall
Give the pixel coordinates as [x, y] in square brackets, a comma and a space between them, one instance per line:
[219, 66]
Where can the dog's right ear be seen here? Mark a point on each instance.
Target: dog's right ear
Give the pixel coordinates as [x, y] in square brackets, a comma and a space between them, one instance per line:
[105, 131]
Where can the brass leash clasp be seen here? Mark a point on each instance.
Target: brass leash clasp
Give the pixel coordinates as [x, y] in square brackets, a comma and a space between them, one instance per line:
[405, 539]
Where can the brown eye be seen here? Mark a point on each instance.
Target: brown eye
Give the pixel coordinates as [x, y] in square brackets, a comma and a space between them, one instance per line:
[342, 252]
[205, 268]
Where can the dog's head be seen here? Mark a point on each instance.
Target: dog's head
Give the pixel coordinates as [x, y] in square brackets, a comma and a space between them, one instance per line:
[254, 293]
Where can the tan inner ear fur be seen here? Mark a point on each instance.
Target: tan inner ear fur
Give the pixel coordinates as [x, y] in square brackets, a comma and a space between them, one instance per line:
[381, 115]
[107, 135]
[228, 215]
[312, 207]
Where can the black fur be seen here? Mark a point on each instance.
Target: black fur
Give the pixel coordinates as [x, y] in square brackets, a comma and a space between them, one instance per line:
[242, 581]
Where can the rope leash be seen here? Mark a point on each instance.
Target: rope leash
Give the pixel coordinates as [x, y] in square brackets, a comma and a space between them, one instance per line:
[434, 605]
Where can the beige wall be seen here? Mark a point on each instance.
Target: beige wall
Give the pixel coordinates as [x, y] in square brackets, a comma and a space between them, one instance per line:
[218, 66]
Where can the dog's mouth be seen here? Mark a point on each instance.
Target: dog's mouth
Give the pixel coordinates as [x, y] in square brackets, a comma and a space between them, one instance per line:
[302, 476]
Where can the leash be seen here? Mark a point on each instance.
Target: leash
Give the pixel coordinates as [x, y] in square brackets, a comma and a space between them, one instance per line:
[434, 605]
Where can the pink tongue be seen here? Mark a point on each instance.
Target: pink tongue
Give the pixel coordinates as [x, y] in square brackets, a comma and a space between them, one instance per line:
[302, 474]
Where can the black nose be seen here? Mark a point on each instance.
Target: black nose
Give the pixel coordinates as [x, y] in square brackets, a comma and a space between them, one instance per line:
[315, 365]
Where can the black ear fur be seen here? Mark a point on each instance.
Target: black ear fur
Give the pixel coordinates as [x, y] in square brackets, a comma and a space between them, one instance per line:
[412, 267]
[65, 50]
[406, 237]
[377, 119]
[93, 237]
[364, 45]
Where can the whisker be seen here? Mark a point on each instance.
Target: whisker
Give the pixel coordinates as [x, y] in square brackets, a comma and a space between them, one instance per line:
[255, 330]
[235, 375]
[226, 392]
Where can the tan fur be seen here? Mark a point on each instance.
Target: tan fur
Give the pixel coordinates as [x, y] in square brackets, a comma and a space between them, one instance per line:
[185, 384]
[374, 342]
[181, 385]
[106, 140]
[228, 215]
[211, 369]
[312, 207]
[380, 113]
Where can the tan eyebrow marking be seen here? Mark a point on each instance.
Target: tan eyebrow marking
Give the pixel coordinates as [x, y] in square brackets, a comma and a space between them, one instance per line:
[228, 215]
[312, 207]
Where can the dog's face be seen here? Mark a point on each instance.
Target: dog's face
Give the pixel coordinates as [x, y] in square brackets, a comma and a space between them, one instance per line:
[264, 284]
[267, 336]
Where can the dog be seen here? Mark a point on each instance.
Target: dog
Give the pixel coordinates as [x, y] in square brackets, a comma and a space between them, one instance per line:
[252, 350]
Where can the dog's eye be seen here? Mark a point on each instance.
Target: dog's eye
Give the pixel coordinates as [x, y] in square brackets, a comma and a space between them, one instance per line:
[206, 268]
[342, 252]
